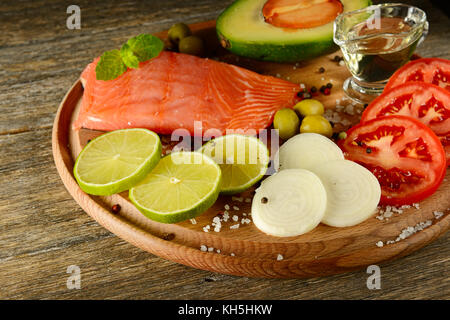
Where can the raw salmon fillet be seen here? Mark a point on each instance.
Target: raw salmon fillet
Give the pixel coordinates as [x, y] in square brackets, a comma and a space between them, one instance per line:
[174, 90]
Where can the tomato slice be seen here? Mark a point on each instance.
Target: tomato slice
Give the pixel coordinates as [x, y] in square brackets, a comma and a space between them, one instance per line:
[300, 14]
[404, 155]
[429, 70]
[426, 102]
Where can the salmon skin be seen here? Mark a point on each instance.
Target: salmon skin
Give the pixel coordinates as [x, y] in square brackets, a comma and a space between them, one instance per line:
[175, 91]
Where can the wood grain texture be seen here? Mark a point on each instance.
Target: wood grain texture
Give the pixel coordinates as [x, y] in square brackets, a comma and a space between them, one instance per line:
[42, 230]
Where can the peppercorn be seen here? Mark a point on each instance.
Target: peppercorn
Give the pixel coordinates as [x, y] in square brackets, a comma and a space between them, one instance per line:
[342, 135]
[264, 200]
[329, 85]
[369, 150]
[337, 58]
[313, 89]
[116, 208]
[321, 69]
[168, 236]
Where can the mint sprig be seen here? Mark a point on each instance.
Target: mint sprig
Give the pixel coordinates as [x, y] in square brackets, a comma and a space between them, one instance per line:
[138, 49]
[128, 57]
[145, 46]
[110, 65]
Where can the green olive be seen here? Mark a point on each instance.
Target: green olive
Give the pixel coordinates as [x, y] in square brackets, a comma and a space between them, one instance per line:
[287, 123]
[192, 45]
[178, 31]
[309, 107]
[316, 124]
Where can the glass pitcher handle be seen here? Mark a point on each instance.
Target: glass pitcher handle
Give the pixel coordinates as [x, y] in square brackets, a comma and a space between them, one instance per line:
[424, 33]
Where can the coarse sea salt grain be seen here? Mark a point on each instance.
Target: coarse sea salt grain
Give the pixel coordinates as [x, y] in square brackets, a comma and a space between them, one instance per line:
[203, 248]
[388, 211]
[210, 249]
[232, 254]
[379, 244]
[248, 200]
[235, 208]
[193, 221]
[227, 207]
[235, 226]
[239, 199]
[235, 218]
[218, 250]
[279, 257]
[438, 214]
[407, 232]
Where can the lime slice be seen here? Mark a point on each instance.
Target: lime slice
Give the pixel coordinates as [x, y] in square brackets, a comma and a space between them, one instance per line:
[182, 186]
[242, 159]
[117, 160]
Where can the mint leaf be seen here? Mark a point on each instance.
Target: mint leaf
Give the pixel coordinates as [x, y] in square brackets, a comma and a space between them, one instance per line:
[145, 46]
[110, 65]
[138, 49]
[128, 57]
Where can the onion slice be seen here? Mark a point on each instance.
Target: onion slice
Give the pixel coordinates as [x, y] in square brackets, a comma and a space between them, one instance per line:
[289, 203]
[305, 151]
[353, 192]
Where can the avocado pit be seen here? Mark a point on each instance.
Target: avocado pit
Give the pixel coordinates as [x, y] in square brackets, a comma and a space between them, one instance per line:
[301, 14]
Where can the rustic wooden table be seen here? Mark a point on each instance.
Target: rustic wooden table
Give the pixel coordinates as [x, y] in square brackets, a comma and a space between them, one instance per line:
[43, 230]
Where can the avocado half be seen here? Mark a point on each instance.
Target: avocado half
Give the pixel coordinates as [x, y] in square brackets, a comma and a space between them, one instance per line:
[241, 29]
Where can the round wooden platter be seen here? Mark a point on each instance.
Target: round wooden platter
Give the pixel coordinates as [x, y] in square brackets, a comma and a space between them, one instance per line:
[246, 251]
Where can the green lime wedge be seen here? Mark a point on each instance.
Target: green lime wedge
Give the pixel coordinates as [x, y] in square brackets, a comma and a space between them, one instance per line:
[117, 160]
[242, 159]
[182, 186]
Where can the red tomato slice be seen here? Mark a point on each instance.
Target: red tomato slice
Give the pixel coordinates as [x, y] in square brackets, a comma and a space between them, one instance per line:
[427, 103]
[299, 14]
[403, 154]
[429, 70]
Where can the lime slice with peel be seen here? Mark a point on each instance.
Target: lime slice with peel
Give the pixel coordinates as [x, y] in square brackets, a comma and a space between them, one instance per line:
[182, 186]
[117, 160]
[242, 159]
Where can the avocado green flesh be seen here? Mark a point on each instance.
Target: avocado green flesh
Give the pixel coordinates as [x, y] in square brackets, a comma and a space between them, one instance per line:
[242, 30]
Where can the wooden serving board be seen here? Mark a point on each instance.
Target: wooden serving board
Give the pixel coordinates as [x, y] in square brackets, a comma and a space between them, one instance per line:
[246, 251]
